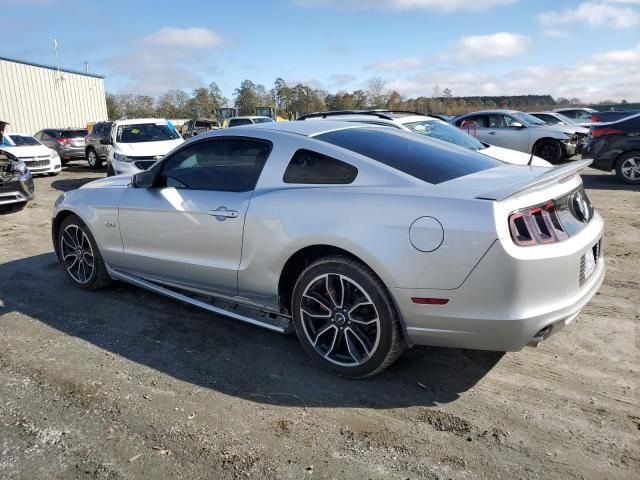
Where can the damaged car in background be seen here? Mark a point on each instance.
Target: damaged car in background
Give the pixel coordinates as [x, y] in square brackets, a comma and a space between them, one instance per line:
[364, 240]
[16, 183]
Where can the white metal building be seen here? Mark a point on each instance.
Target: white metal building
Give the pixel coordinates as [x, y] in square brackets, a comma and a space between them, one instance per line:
[33, 97]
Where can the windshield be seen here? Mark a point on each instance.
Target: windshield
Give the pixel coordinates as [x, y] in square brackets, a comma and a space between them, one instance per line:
[530, 119]
[442, 131]
[262, 120]
[146, 132]
[564, 119]
[22, 140]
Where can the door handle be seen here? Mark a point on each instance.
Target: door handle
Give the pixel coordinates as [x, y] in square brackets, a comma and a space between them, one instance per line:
[221, 213]
[492, 133]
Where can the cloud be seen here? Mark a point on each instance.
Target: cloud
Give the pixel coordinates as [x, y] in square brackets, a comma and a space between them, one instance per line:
[478, 48]
[167, 59]
[552, 33]
[441, 5]
[338, 80]
[195, 37]
[594, 14]
[397, 64]
[613, 74]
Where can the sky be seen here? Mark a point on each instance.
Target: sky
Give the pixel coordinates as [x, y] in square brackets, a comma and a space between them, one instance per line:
[571, 48]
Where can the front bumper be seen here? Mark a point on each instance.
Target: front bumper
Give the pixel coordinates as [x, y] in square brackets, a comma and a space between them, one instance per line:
[41, 166]
[511, 295]
[16, 191]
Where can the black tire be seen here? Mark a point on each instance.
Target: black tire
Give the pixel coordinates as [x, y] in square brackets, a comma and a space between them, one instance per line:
[384, 337]
[98, 278]
[93, 159]
[110, 171]
[549, 149]
[53, 174]
[628, 166]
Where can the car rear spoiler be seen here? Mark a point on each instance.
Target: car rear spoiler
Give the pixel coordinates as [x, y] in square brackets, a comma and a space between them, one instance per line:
[557, 174]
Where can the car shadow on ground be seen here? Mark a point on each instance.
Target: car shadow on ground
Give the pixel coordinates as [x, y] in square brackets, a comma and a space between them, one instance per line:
[222, 354]
[605, 181]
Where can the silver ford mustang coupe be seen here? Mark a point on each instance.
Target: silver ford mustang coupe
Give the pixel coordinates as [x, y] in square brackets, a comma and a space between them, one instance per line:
[362, 239]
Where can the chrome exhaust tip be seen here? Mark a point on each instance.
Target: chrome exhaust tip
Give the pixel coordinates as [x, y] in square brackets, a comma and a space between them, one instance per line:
[540, 336]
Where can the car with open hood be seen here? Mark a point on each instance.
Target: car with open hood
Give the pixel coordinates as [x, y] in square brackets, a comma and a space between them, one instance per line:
[362, 239]
[16, 182]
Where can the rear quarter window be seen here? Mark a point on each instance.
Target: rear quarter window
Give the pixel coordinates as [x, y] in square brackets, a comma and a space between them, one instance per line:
[309, 167]
[429, 160]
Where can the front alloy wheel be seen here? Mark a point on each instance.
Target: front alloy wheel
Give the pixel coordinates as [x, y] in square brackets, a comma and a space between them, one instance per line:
[345, 319]
[550, 150]
[79, 254]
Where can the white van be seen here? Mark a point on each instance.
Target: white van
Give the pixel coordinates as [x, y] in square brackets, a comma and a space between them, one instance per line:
[137, 144]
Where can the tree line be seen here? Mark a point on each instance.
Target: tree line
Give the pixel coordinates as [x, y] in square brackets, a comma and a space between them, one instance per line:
[291, 101]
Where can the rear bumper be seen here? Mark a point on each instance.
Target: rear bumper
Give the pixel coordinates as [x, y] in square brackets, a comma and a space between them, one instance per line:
[509, 297]
[72, 152]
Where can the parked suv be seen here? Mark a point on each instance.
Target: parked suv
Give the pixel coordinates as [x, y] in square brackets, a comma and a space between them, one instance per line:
[519, 131]
[137, 144]
[95, 151]
[68, 142]
[195, 127]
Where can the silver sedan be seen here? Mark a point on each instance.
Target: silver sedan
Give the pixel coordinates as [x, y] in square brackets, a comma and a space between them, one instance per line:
[362, 239]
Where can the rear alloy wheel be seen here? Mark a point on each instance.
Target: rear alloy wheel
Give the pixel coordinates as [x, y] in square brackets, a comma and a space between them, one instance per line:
[345, 319]
[550, 150]
[92, 159]
[628, 168]
[80, 256]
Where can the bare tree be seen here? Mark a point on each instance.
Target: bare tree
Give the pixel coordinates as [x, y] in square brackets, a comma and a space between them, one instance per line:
[378, 93]
[435, 92]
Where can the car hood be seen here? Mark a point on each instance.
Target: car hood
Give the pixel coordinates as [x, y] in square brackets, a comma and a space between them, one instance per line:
[571, 129]
[147, 149]
[26, 151]
[512, 156]
[117, 181]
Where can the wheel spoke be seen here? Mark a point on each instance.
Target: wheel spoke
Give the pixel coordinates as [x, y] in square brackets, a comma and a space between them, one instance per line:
[362, 339]
[322, 331]
[339, 290]
[316, 315]
[68, 239]
[333, 343]
[323, 305]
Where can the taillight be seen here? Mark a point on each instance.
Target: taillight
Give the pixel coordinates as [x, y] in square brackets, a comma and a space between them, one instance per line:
[536, 225]
[62, 140]
[594, 119]
[601, 132]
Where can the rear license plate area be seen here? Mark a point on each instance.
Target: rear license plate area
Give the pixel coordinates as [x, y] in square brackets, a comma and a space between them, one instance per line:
[589, 261]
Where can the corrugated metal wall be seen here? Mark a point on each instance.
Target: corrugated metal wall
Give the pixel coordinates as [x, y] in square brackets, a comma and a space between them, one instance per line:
[34, 97]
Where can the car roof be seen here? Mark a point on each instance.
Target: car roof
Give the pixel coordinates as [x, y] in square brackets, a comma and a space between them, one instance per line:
[19, 134]
[132, 121]
[568, 109]
[249, 117]
[495, 110]
[308, 129]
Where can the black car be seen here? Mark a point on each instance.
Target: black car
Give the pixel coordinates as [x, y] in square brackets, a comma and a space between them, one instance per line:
[195, 126]
[616, 146]
[16, 183]
[68, 142]
[96, 152]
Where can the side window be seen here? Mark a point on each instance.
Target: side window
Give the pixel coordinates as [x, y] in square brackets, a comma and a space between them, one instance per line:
[38, 136]
[98, 129]
[570, 114]
[499, 121]
[314, 168]
[480, 121]
[226, 165]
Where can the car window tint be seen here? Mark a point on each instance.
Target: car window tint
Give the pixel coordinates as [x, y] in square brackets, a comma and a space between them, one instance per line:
[240, 121]
[74, 133]
[229, 165]
[429, 160]
[314, 168]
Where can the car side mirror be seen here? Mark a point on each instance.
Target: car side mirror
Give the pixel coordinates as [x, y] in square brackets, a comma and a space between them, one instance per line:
[144, 179]
[517, 125]
[105, 141]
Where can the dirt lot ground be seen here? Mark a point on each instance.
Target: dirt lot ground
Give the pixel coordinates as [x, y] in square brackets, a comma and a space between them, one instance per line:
[127, 384]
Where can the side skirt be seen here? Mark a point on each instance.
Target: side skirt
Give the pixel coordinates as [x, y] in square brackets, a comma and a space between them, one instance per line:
[246, 314]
